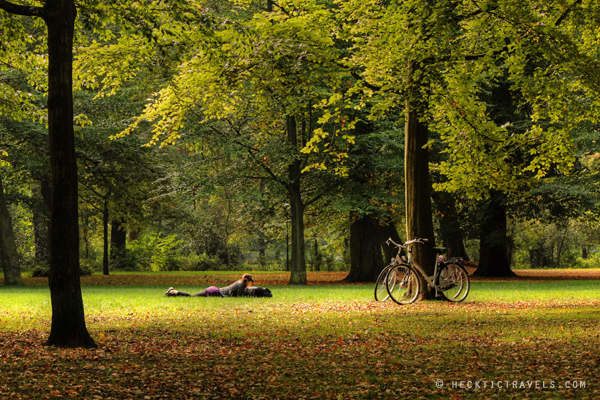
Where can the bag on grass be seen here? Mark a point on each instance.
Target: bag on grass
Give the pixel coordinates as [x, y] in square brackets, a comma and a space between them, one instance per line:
[255, 291]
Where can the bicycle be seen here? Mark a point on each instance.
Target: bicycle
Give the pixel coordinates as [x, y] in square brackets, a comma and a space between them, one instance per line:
[401, 278]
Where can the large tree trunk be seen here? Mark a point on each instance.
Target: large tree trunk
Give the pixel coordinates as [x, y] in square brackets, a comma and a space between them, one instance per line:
[419, 222]
[366, 261]
[8, 248]
[493, 261]
[68, 328]
[450, 230]
[298, 261]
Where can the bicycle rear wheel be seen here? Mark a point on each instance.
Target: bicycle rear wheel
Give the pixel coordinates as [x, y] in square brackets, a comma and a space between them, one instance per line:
[403, 284]
[381, 293]
[453, 282]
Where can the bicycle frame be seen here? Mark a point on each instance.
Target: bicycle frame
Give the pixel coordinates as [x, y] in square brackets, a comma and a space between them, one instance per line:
[430, 279]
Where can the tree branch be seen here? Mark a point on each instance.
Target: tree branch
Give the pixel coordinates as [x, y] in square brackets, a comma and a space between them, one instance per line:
[28, 11]
[566, 13]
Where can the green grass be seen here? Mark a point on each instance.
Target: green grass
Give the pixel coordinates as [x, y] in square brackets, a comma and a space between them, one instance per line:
[322, 341]
[29, 307]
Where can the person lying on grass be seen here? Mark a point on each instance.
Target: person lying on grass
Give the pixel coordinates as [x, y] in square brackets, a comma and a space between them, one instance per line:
[236, 289]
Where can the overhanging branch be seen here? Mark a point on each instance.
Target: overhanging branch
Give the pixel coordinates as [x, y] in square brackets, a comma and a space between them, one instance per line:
[28, 11]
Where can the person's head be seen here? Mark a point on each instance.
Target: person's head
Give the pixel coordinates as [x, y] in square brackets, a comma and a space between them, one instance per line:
[247, 278]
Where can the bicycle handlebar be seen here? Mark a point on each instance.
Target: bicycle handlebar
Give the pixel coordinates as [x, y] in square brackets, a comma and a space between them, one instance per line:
[415, 240]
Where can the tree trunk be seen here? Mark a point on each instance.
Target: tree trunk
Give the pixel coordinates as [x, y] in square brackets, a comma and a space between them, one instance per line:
[41, 223]
[298, 261]
[262, 245]
[419, 222]
[386, 232]
[366, 261]
[105, 220]
[118, 240]
[229, 267]
[493, 244]
[68, 328]
[316, 255]
[8, 248]
[134, 234]
[450, 230]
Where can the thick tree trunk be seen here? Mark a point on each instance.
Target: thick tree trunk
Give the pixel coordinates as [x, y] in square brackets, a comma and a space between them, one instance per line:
[493, 244]
[298, 261]
[105, 258]
[450, 230]
[68, 328]
[366, 261]
[8, 248]
[419, 222]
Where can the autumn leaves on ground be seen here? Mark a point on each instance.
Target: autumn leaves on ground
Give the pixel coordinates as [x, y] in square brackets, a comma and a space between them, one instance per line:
[534, 337]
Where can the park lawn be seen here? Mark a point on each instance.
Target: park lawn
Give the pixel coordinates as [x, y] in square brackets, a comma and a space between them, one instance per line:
[319, 341]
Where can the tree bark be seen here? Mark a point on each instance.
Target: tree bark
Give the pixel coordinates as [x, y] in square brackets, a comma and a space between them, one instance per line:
[366, 261]
[8, 248]
[298, 260]
[105, 219]
[118, 239]
[419, 222]
[41, 223]
[386, 232]
[450, 230]
[493, 261]
[68, 328]
[317, 259]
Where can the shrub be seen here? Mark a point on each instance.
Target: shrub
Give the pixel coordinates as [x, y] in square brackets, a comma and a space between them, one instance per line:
[125, 261]
[202, 262]
[155, 251]
[43, 271]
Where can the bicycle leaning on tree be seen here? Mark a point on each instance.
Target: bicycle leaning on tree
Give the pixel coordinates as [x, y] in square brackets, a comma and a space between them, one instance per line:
[401, 280]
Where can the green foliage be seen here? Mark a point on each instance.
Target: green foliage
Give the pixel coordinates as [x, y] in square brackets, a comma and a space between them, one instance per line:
[129, 260]
[593, 261]
[43, 271]
[202, 262]
[157, 252]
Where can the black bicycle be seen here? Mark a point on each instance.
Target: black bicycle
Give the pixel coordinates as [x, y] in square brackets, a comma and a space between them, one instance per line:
[401, 279]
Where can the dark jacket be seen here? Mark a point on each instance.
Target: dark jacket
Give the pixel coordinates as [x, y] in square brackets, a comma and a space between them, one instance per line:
[236, 289]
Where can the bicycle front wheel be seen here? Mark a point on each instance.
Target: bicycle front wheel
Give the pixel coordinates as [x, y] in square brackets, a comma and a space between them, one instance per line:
[452, 282]
[403, 284]
[381, 293]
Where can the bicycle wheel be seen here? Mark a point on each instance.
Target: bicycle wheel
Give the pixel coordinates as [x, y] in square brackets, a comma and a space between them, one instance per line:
[403, 284]
[453, 282]
[381, 293]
